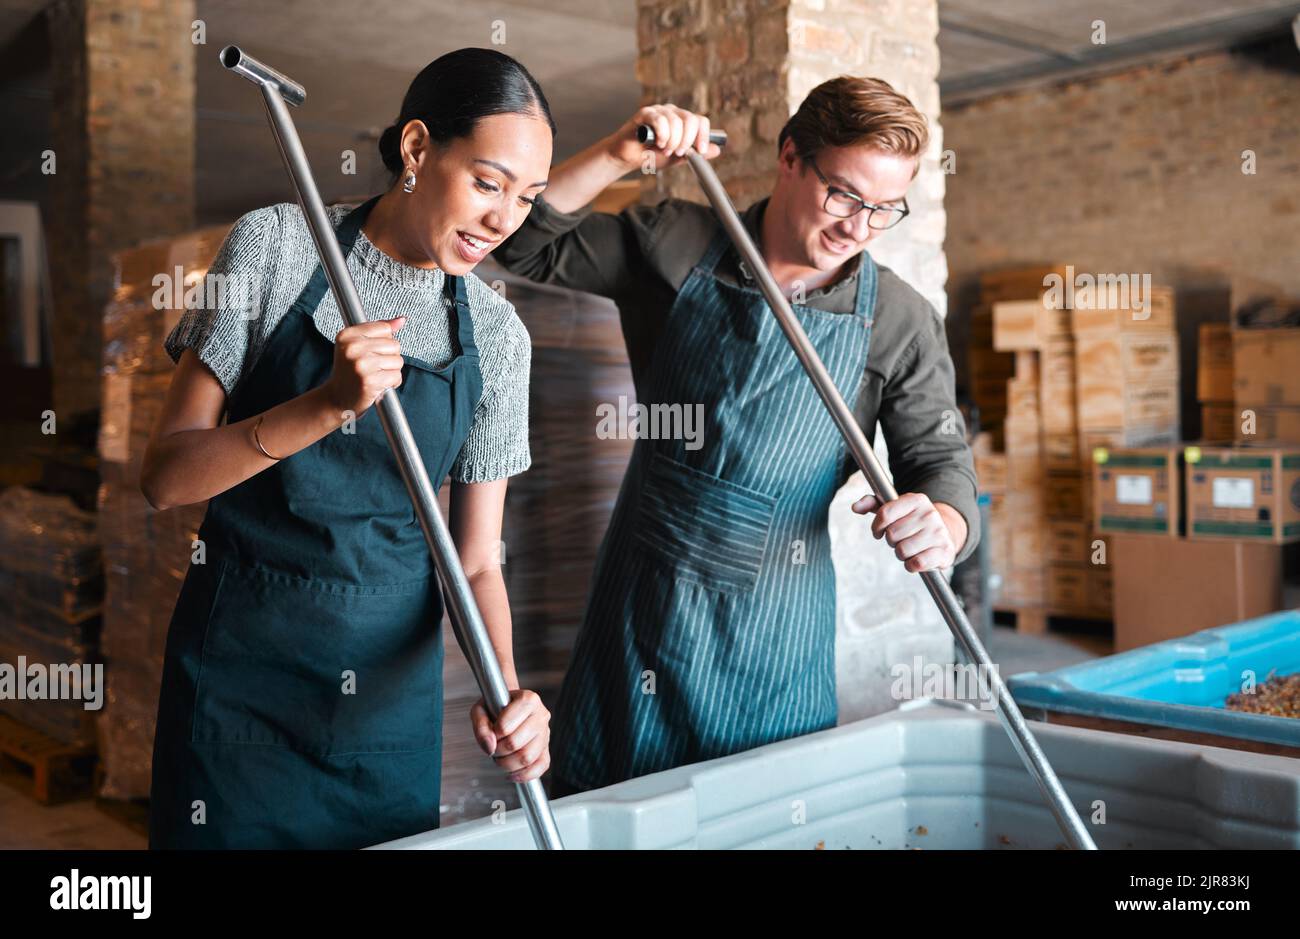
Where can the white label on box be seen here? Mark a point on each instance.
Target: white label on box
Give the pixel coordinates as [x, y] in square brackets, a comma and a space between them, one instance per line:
[1133, 490]
[1233, 492]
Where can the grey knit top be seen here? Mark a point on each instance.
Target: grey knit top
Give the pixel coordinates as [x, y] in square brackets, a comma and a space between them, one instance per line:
[266, 260]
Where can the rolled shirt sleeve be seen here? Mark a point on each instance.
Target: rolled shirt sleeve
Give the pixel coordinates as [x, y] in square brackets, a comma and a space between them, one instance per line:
[220, 336]
[497, 445]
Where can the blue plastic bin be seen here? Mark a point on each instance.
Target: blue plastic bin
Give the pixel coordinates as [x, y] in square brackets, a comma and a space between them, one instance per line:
[1179, 683]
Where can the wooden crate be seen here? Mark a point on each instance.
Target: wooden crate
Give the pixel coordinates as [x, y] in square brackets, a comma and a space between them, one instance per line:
[1027, 325]
[1110, 357]
[1126, 316]
[1151, 406]
[1020, 283]
[51, 771]
[1056, 380]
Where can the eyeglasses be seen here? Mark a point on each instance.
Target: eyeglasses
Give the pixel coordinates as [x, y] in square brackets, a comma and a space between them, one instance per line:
[844, 204]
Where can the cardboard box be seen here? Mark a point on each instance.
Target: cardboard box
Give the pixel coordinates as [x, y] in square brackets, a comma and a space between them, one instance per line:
[1219, 422]
[1280, 424]
[1170, 587]
[1137, 491]
[1214, 363]
[1251, 494]
[1101, 590]
[1264, 367]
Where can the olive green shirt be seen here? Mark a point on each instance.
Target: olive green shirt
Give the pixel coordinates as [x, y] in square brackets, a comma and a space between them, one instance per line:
[640, 258]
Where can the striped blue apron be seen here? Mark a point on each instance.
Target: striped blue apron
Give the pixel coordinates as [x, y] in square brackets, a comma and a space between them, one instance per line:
[710, 623]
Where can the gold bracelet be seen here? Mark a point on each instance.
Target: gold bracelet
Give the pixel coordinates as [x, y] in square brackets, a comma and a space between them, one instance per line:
[258, 440]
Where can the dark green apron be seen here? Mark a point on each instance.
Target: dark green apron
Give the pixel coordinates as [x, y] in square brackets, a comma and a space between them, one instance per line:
[710, 624]
[301, 699]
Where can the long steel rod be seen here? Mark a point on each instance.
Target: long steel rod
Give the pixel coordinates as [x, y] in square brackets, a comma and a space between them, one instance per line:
[466, 620]
[1008, 712]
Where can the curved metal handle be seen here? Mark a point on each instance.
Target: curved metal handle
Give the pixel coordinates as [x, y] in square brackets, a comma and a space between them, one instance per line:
[646, 134]
[241, 63]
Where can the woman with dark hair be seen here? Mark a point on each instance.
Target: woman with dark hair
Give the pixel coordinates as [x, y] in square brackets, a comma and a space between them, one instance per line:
[301, 700]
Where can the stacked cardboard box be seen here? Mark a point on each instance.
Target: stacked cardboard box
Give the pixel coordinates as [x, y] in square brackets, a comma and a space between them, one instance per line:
[1244, 493]
[1266, 385]
[146, 552]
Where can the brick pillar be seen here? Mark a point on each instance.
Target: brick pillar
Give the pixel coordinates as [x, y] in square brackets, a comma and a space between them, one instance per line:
[748, 64]
[122, 130]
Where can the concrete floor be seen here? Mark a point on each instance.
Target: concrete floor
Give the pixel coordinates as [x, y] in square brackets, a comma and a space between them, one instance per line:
[471, 782]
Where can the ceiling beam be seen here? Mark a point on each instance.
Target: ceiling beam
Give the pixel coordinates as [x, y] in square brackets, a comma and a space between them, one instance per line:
[954, 18]
[1197, 37]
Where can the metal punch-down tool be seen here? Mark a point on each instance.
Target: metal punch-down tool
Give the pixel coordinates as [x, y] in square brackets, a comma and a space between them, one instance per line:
[1008, 712]
[466, 620]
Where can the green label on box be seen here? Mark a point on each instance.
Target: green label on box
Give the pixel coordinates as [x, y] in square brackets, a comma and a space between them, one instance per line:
[1136, 459]
[1122, 523]
[1238, 529]
[1211, 461]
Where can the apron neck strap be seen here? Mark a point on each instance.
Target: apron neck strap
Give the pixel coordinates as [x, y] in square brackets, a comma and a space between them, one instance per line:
[454, 287]
[458, 302]
[350, 228]
[864, 303]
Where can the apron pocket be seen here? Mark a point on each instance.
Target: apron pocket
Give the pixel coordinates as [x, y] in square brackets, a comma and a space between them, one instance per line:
[325, 668]
[705, 529]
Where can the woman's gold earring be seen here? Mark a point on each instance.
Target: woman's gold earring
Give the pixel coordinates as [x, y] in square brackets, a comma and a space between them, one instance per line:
[408, 184]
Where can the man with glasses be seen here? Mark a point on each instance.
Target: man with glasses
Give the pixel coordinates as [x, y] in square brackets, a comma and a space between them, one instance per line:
[710, 624]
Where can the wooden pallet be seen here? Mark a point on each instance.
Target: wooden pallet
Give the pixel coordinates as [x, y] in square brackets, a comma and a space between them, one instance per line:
[49, 770]
[1035, 620]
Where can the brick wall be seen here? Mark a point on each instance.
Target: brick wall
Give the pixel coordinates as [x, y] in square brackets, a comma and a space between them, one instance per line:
[1139, 171]
[122, 128]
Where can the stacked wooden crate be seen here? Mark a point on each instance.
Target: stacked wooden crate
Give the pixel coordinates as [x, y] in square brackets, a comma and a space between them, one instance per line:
[1009, 329]
[1081, 379]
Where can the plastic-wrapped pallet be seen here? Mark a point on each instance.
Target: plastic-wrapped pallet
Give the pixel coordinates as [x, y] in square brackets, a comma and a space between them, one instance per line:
[52, 579]
[145, 551]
